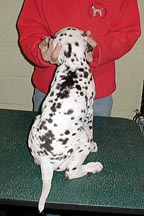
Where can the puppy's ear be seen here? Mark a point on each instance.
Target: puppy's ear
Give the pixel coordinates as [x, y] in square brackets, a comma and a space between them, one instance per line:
[89, 48]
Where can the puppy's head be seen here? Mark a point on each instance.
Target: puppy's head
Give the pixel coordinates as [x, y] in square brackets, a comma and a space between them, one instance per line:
[73, 45]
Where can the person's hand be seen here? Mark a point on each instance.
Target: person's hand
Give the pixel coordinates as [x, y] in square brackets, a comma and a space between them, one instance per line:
[48, 53]
[90, 40]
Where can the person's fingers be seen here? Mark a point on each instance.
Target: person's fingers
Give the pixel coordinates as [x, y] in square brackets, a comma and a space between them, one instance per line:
[46, 48]
[56, 52]
[44, 42]
[90, 41]
[88, 33]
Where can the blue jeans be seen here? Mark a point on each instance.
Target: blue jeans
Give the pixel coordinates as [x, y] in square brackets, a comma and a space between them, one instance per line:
[101, 107]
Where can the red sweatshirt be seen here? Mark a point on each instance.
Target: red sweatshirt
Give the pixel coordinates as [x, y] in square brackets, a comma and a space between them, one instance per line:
[115, 26]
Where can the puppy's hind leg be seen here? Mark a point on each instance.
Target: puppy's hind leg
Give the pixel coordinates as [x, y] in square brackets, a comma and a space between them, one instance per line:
[76, 168]
[47, 174]
[84, 169]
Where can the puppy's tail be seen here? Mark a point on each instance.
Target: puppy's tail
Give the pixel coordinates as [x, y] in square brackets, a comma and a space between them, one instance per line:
[47, 174]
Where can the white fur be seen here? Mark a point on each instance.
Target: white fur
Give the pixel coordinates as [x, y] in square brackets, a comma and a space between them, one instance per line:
[61, 137]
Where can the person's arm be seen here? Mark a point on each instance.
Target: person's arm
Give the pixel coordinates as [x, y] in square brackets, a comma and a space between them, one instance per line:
[31, 30]
[124, 32]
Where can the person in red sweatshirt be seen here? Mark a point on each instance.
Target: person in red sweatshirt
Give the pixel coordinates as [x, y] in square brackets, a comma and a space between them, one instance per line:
[112, 28]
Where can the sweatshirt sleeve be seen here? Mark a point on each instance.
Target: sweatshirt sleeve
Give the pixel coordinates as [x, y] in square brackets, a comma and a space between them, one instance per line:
[31, 30]
[121, 37]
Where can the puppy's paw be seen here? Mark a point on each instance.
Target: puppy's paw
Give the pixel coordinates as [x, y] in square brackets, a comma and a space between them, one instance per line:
[94, 167]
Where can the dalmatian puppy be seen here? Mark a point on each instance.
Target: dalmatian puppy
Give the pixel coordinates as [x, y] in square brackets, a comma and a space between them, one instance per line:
[61, 137]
